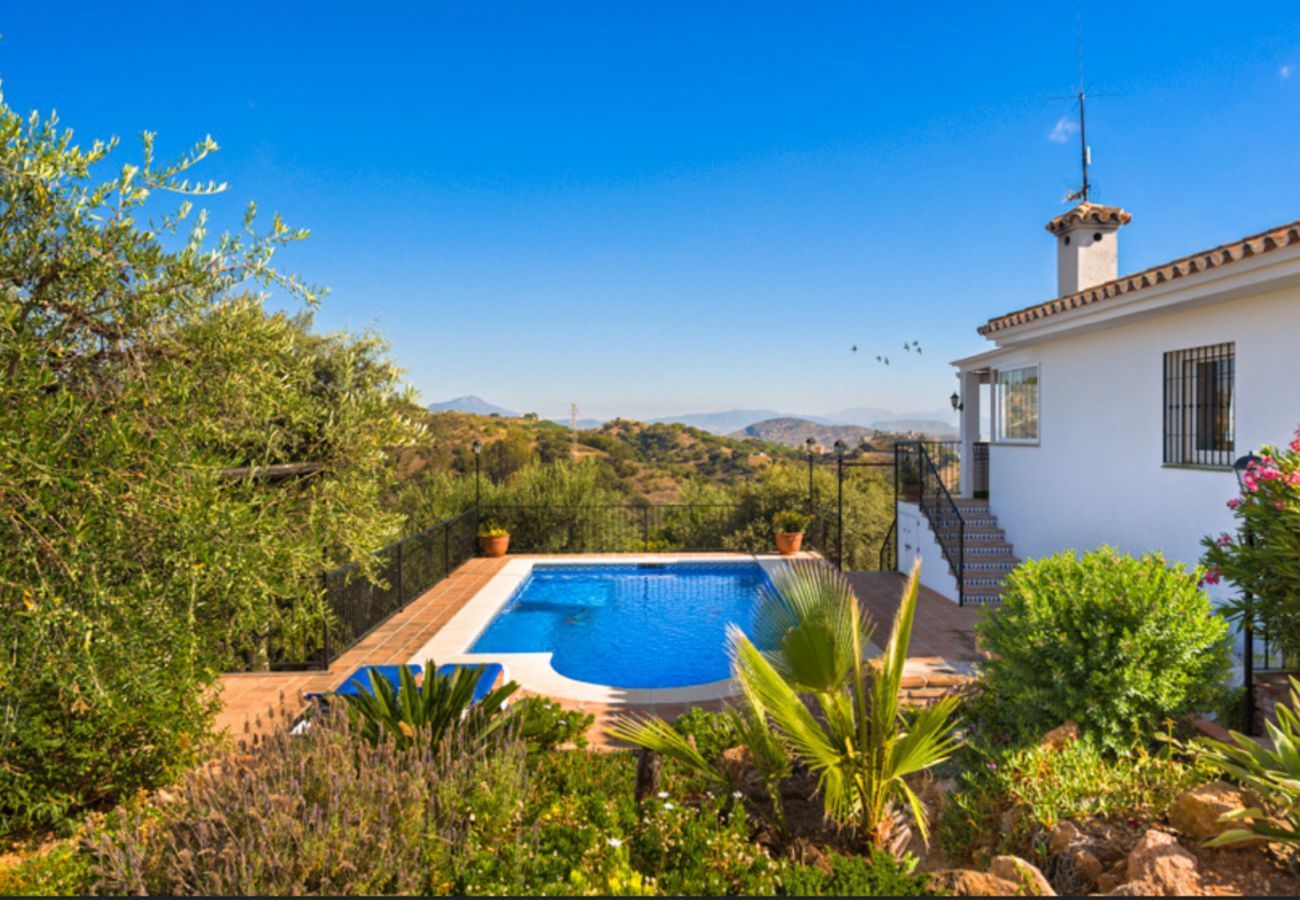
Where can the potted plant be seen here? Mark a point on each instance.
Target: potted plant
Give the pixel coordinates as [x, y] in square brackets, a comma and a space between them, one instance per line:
[493, 540]
[789, 525]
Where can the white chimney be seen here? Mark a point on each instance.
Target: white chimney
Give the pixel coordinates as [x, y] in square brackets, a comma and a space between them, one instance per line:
[1087, 246]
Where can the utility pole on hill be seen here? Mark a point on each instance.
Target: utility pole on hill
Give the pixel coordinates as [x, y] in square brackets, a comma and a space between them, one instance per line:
[573, 431]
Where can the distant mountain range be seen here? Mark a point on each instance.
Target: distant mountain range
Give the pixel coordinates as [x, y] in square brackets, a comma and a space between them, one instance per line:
[732, 421]
[471, 404]
[792, 432]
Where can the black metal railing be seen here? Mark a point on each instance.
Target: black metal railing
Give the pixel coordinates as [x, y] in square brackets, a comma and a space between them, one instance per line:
[889, 548]
[1270, 656]
[361, 597]
[945, 459]
[937, 505]
[825, 535]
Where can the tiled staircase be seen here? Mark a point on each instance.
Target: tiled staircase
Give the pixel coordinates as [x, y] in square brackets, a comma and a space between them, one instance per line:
[988, 555]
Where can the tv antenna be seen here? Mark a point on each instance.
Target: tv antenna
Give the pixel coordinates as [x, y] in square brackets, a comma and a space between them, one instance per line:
[1085, 153]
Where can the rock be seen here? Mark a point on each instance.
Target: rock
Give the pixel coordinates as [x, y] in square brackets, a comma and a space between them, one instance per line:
[1196, 813]
[1065, 733]
[1108, 881]
[969, 883]
[1063, 837]
[1137, 889]
[1088, 867]
[1024, 874]
[1162, 867]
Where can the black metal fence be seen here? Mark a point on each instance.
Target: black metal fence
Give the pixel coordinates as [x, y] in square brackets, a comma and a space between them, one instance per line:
[360, 598]
[617, 528]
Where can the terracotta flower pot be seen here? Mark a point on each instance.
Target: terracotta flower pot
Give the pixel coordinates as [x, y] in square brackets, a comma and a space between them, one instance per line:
[789, 542]
[494, 545]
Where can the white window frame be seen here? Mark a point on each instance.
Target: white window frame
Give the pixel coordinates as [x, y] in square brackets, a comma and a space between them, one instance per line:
[999, 436]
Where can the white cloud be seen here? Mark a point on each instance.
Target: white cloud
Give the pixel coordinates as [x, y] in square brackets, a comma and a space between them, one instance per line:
[1061, 132]
[1285, 72]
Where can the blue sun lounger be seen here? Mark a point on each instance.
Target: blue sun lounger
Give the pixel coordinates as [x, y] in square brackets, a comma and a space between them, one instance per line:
[359, 680]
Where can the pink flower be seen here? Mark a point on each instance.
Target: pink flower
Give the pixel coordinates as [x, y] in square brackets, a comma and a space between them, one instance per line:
[1294, 478]
[1234, 503]
[1212, 575]
[1279, 504]
[1224, 540]
[1295, 445]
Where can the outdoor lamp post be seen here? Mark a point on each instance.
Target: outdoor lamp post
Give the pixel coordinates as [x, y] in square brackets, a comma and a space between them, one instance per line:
[477, 447]
[840, 447]
[1240, 468]
[810, 444]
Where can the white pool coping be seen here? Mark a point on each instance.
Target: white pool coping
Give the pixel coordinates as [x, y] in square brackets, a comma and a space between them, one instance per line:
[533, 671]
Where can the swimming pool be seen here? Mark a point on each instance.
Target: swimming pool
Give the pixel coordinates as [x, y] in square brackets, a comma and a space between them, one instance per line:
[629, 625]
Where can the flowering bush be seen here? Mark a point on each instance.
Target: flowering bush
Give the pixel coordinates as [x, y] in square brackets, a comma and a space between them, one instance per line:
[1263, 558]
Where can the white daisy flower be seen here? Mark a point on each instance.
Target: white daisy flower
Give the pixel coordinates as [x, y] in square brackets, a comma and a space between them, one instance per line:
[614, 842]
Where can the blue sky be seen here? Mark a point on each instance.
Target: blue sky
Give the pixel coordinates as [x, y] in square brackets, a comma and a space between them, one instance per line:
[661, 208]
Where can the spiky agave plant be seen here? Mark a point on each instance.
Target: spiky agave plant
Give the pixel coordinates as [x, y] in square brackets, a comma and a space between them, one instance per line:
[860, 746]
[1272, 774]
[442, 704]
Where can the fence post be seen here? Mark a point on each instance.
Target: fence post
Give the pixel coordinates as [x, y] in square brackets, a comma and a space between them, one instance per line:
[1248, 666]
[839, 525]
[645, 529]
[325, 586]
[446, 550]
[401, 586]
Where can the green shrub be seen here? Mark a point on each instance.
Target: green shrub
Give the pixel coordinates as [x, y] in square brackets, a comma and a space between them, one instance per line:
[1114, 643]
[1005, 796]
[547, 725]
[713, 732]
[62, 870]
[881, 875]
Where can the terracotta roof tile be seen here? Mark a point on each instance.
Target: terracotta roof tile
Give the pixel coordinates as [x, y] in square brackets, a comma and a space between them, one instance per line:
[1091, 213]
[1282, 236]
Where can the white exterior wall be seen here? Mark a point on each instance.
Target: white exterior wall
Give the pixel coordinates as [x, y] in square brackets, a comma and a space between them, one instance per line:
[916, 539]
[1096, 475]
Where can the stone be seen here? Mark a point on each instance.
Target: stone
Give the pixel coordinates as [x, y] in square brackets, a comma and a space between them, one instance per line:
[1065, 733]
[1088, 867]
[1064, 836]
[1108, 881]
[1163, 866]
[1024, 874]
[1196, 813]
[969, 883]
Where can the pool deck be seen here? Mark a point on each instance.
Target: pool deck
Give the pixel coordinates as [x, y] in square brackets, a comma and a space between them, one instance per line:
[943, 650]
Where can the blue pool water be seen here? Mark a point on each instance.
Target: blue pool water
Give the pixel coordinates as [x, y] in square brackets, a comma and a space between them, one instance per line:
[629, 626]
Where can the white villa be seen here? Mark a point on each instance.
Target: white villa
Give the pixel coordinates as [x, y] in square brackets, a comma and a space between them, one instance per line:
[1118, 407]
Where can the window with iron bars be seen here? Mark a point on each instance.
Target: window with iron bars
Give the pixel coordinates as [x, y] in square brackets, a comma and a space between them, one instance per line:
[1200, 411]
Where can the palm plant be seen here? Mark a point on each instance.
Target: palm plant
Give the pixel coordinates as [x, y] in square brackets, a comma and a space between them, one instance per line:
[1274, 775]
[858, 743]
[444, 703]
[767, 753]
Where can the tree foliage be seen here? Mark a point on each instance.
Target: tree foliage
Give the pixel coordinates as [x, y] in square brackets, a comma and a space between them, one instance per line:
[134, 377]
